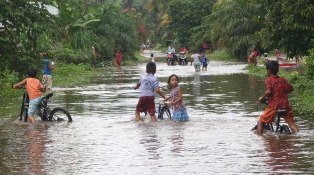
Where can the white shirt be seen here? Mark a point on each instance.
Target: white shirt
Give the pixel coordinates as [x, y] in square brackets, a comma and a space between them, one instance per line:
[195, 57]
[149, 84]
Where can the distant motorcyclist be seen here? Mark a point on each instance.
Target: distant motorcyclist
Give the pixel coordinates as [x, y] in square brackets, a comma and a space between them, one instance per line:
[172, 50]
[183, 50]
[182, 55]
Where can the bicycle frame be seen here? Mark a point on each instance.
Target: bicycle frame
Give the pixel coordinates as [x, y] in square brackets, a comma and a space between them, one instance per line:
[158, 110]
[279, 128]
[280, 114]
[43, 108]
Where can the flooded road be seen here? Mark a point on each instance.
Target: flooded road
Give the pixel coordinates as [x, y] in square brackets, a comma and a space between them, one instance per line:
[104, 139]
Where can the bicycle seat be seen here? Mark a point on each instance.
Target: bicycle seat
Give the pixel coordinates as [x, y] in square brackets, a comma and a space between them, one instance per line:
[48, 95]
[282, 112]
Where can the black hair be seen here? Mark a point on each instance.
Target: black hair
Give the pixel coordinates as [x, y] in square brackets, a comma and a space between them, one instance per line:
[273, 66]
[173, 75]
[151, 68]
[32, 73]
[151, 54]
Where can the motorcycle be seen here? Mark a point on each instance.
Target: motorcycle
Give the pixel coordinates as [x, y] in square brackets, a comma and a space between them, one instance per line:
[182, 58]
[170, 59]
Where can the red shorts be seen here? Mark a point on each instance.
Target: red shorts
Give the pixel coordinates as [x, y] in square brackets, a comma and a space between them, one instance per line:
[146, 103]
[269, 114]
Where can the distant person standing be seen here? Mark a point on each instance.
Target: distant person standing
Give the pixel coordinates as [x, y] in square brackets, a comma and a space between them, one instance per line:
[118, 58]
[278, 55]
[204, 62]
[47, 71]
[196, 61]
[152, 58]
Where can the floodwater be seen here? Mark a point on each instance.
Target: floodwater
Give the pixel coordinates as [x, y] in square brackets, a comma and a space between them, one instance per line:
[104, 139]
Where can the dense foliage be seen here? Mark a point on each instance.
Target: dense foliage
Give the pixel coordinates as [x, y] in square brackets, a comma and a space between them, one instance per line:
[21, 24]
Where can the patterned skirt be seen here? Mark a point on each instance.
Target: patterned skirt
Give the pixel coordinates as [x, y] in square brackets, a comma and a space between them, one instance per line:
[180, 115]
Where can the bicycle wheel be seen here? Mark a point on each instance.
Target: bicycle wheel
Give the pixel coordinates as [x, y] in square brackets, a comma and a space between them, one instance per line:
[24, 110]
[24, 115]
[59, 115]
[285, 129]
[165, 113]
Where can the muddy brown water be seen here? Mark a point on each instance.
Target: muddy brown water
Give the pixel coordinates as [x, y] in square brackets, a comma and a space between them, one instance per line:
[103, 138]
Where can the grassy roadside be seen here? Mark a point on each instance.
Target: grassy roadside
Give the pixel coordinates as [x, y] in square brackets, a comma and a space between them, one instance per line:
[63, 76]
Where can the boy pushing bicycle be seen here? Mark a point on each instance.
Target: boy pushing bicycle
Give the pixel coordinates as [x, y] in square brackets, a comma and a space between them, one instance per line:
[34, 89]
[277, 90]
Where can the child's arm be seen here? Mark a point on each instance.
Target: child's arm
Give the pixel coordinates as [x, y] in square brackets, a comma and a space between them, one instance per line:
[42, 87]
[268, 91]
[288, 87]
[20, 84]
[160, 93]
[167, 98]
[137, 86]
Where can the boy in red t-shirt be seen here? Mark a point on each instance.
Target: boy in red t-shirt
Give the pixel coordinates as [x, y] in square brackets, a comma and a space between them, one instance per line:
[277, 90]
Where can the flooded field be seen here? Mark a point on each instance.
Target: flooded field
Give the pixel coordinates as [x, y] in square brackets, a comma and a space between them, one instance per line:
[104, 139]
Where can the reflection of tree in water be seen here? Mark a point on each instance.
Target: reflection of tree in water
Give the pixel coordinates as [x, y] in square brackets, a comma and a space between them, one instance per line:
[281, 152]
[151, 142]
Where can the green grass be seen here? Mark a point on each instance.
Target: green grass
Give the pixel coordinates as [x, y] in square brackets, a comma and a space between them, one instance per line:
[63, 76]
[220, 55]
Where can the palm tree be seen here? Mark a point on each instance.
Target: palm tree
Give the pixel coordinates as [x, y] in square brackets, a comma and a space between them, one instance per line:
[234, 25]
[116, 30]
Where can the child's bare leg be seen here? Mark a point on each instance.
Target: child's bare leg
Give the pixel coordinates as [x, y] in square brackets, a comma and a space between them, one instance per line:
[31, 119]
[293, 126]
[153, 118]
[137, 116]
[260, 128]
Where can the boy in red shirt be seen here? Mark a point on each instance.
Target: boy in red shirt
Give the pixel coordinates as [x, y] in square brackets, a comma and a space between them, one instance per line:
[277, 90]
[34, 89]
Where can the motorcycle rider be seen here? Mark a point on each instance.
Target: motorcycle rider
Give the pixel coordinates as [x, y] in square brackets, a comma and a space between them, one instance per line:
[183, 51]
[172, 50]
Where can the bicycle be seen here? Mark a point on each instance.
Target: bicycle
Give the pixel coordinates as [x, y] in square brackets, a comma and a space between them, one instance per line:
[281, 113]
[162, 112]
[46, 114]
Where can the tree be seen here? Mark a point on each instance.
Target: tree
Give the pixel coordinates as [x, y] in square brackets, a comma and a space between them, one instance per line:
[22, 23]
[289, 24]
[116, 30]
[234, 25]
[185, 15]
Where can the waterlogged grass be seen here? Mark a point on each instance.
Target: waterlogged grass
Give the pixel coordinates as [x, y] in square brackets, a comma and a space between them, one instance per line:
[71, 75]
[302, 97]
[63, 76]
[220, 55]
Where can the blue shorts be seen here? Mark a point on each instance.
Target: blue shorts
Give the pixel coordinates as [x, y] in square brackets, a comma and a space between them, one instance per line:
[33, 106]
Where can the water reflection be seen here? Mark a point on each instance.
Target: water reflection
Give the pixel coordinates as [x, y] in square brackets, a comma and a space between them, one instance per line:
[150, 141]
[177, 138]
[35, 137]
[197, 84]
